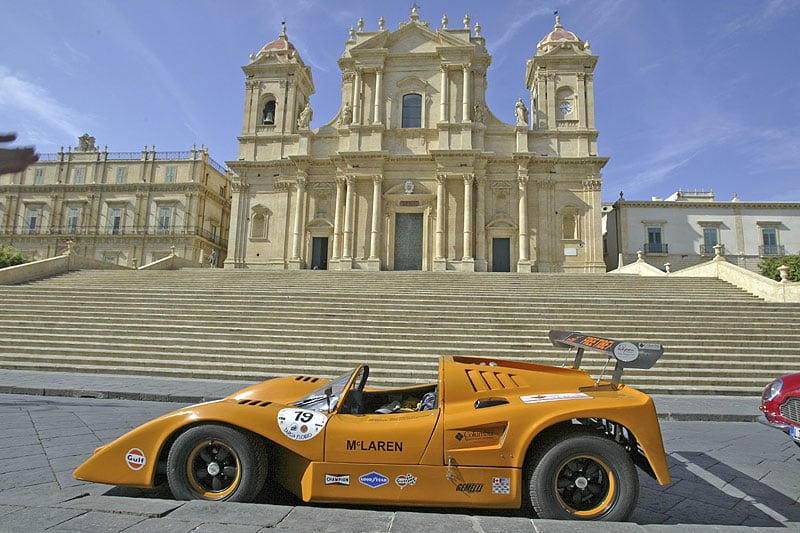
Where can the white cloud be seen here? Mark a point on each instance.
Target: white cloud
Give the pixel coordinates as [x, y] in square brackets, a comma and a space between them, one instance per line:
[43, 116]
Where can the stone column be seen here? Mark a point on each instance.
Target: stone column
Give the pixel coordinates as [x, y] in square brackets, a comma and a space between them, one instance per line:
[298, 218]
[347, 240]
[550, 103]
[337, 218]
[590, 101]
[357, 98]
[582, 111]
[377, 119]
[443, 95]
[466, 99]
[441, 216]
[377, 199]
[480, 225]
[524, 262]
[469, 179]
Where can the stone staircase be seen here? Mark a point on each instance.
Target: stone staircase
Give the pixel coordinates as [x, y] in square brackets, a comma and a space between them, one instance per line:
[252, 325]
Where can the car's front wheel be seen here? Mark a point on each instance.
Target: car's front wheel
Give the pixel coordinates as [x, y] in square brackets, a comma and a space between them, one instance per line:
[213, 462]
[582, 476]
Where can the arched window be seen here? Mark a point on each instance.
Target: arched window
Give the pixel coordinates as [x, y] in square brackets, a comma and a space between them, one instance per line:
[268, 115]
[412, 111]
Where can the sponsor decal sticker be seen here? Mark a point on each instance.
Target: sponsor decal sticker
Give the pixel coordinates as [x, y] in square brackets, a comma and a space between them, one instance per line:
[374, 446]
[626, 351]
[301, 424]
[479, 435]
[135, 459]
[373, 480]
[539, 398]
[501, 485]
[406, 480]
[337, 479]
[470, 488]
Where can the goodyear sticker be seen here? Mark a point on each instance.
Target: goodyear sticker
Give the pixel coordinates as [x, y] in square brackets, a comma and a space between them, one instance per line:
[301, 424]
[135, 459]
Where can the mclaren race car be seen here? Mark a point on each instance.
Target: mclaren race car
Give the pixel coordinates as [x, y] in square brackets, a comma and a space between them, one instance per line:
[488, 433]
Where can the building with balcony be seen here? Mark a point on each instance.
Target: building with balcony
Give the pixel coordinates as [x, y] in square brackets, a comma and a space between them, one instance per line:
[685, 228]
[415, 172]
[128, 208]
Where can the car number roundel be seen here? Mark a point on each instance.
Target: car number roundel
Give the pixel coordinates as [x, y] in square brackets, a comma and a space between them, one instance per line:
[301, 424]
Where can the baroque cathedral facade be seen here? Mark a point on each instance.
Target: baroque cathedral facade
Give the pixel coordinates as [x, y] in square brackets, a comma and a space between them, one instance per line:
[415, 172]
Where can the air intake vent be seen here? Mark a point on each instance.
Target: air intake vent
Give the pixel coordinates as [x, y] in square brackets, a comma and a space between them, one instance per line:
[254, 403]
[306, 379]
[489, 380]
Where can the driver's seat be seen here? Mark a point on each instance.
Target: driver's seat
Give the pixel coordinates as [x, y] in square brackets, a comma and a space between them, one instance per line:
[354, 403]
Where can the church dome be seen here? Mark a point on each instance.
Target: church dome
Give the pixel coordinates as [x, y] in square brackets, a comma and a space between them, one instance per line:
[558, 37]
[281, 44]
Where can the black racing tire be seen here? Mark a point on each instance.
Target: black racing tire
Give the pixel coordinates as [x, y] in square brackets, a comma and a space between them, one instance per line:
[214, 462]
[582, 476]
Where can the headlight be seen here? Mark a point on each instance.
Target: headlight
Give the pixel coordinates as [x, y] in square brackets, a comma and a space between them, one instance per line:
[772, 390]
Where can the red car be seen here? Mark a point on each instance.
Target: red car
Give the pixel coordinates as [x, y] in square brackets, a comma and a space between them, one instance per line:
[780, 403]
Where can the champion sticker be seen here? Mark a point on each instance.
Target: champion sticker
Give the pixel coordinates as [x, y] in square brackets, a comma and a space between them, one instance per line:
[540, 398]
[135, 459]
[626, 351]
[337, 479]
[405, 480]
[301, 424]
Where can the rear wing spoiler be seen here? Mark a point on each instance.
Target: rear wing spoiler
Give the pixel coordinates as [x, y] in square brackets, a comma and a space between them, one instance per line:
[627, 354]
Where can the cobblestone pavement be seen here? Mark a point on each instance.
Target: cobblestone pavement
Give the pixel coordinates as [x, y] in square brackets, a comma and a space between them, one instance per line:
[726, 476]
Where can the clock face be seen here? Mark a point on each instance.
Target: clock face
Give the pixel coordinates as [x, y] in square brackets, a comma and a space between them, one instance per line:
[566, 108]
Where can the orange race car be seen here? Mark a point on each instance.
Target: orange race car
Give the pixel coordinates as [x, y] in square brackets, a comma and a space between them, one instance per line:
[489, 433]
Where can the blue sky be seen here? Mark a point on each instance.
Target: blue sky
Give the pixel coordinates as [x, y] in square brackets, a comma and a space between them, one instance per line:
[689, 94]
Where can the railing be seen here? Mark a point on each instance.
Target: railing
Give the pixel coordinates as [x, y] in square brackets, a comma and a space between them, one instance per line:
[67, 231]
[124, 156]
[771, 249]
[708, 249]
[656, 248]
[138, 156]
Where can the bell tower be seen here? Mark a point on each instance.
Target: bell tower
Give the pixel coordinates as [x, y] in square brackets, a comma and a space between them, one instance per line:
[277, 89]
[560, 78]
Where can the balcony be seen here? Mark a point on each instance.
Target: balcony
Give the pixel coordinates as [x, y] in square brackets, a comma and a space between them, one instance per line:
[653, 248]
[120, 231]
[771, 249]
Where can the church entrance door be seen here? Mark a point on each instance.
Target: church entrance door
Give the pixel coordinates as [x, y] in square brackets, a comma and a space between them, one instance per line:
[501, 255]
[408, 241]
[319, 253]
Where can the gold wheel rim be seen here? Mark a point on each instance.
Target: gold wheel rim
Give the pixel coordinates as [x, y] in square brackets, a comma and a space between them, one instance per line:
[213, 469]
[585, 486]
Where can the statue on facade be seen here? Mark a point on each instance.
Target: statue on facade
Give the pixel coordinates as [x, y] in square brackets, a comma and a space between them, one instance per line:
[305, 117]
[521, 112]
[86, 143]
[347, 115]
[477, 113]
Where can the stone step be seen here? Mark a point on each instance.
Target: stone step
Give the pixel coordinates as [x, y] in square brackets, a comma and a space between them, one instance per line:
[251, 325]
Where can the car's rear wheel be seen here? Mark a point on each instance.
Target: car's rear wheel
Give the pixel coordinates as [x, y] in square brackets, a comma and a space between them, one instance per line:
[213, 462]
[582, 477]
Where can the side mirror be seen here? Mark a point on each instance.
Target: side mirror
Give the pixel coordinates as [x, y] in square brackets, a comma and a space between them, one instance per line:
[328, 394]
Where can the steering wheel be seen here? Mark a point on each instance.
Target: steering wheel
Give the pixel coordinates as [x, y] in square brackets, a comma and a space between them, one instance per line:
[363, 381]
[355, 398]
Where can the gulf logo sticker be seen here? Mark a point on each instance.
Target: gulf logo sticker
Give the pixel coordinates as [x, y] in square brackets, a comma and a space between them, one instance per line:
[135, 459]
